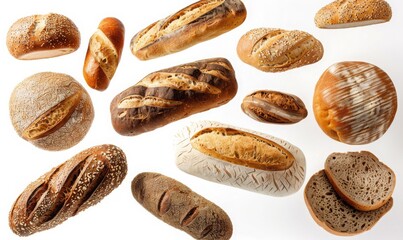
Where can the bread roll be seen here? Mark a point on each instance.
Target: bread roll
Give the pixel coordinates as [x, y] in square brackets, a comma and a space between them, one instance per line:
[42, 36]
[177, 205]
[274, 107]
[104, 53]
[353, 13]
[51, 110]
[198, 22]
[277, 50]
[68, 189]
[171, 94]
[354, 102]
[240, 158]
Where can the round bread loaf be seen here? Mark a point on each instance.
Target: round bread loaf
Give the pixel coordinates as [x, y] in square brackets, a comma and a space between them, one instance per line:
[51, 110]
[354, 102]
[42, 36]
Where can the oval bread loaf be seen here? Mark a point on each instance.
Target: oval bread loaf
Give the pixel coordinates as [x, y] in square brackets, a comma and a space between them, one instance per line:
[42, 36]
[277, 50]
[104, 53]
[51, 110]
[240, 158]
[68, 189]
[198, 22]
[171, 94]
[177, 205]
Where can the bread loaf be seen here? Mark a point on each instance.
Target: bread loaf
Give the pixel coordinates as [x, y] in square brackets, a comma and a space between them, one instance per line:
[68, 189]
[240, 158]
[171, 94]
[42, 36]
[360, 179]
[104, 53]
[277, 50]
[354, 102]
[335, 215]
[198, 22]
[51, 110]
[177, 205]
[274, 107]
[353, 13]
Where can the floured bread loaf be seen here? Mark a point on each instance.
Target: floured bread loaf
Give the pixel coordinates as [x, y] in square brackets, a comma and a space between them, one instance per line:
[240, 158]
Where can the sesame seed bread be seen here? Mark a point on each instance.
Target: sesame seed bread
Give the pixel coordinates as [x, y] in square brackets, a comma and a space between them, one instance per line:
[333, 214]
[360, 179]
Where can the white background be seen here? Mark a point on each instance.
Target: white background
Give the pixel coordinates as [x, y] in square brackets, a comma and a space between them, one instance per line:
[254, 216]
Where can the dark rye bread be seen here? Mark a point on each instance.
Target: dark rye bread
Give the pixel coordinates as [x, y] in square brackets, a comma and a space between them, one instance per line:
[360, 179]
[335, 215]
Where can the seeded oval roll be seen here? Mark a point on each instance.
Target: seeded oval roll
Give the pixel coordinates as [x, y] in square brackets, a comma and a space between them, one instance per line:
[177, 205]
[274, 107]
[171, 94]
[51, 110]
[68, 189]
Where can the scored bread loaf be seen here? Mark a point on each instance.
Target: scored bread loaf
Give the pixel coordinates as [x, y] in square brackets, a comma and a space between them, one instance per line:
[171, 94]
[360, 179]
[240, 158]
[335, 215]
[198, 22]
[177, 205]
[68, 189]
[353, 13]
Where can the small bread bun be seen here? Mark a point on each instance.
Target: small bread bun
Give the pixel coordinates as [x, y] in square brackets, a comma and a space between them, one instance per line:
[42, 36]
[353, 13]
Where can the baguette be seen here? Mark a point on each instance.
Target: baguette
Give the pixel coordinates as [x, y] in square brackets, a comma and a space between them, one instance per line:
[177, 205]
[104, 53]
[198, 22]
[240, 158]
[171, 94]
[68, 189]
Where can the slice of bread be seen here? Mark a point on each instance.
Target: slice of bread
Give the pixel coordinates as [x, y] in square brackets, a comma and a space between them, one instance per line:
[360, 179]
[335, 215]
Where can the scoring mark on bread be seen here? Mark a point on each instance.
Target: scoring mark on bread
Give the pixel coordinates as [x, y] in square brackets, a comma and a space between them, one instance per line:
[104, 52]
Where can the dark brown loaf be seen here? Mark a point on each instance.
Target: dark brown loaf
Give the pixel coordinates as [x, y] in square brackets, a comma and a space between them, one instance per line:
[104, 53]
[42, 36]
[68, 189]
[198, 22]
[177, 205]
[172, 94]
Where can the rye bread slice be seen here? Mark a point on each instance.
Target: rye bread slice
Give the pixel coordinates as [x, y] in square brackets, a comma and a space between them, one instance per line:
[360, 179]
[335, 215]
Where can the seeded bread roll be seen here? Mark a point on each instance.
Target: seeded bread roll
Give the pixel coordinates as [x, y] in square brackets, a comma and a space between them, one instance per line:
[277, 50]
[198, 22]
[360, 179]
[42, 36]
[240, 158]
[171, 94]
[177, 205]
[335, 215]
[51, 110]
[353, 13]
[68, 189]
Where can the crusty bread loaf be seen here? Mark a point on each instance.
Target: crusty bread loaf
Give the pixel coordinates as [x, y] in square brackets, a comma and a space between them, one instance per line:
[104, 53]
[51, 110]
[241, 158]
[274, 107]
[68, 189]
[276, 50]
[353, 13]
[335, 215]
[42, 36]
[171, 94]
[354, 102]
[198, 22]
[360, 179]
[177, 205]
